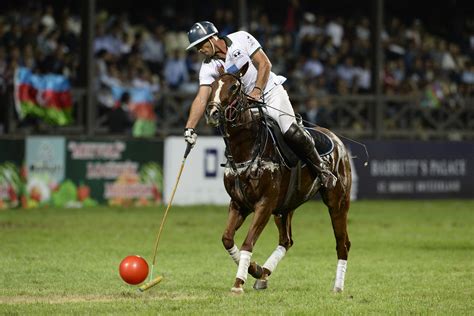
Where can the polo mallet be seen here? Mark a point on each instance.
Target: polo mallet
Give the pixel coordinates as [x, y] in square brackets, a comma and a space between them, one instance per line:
[152, 282]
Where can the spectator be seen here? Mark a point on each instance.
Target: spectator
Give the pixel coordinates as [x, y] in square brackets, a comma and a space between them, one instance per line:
[347, 71]
[363, 77]
[175, 72]
[307, 33]
[119, 121]
[335, 31]
[313, 67]
[363, 29]
[153, 50]
[313, 114]
[47, 20]
[467, 76]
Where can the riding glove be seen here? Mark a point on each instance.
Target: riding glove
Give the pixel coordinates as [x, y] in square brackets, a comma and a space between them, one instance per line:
[190, 136]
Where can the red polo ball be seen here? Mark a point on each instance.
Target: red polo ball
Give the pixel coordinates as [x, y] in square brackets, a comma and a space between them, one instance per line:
[133, 269]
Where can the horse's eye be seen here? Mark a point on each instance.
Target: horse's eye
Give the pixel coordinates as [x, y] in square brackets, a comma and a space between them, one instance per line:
[233, 88]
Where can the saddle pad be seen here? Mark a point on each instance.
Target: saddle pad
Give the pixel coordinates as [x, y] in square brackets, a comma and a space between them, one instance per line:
[323, 143]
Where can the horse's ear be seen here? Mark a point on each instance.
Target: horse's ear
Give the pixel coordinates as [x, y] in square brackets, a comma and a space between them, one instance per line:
[243, 70]
[220, 70]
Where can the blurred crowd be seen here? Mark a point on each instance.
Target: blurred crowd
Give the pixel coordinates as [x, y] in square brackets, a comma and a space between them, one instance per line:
[319, 54]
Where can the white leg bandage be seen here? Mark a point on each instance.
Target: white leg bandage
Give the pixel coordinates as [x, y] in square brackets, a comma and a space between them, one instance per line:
[243, 265]
[340, 274]
[234, 252]
[274, 258]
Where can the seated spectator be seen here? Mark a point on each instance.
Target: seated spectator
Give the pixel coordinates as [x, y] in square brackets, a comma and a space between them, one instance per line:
[312, 114]
[313, 67]
[175, 72]
[335, 30]
[347, 71]
[363, 77]
[153, 50]
[467, 76]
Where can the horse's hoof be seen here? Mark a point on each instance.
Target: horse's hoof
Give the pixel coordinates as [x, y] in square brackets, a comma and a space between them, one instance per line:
[237, 290]
[337, 290]
[260, 284]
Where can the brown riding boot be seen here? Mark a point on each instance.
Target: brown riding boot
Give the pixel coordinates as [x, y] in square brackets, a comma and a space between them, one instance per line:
[304, 147]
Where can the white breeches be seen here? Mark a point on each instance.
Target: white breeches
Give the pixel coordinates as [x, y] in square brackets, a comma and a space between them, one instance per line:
[279, 107]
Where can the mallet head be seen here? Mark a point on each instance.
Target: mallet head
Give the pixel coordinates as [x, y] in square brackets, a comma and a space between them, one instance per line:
[150, 284]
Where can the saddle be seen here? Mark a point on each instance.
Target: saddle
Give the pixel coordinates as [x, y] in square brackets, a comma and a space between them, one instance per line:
[324, 145]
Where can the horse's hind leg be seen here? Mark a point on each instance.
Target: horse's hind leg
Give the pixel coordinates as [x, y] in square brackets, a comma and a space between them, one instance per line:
[234, 221]
[338, 209]
[283, 222]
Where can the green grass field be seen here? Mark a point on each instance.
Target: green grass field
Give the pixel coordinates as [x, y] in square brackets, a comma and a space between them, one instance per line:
[407, 257]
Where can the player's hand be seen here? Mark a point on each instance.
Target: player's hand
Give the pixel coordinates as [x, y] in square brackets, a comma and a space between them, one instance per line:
[190, 136]
[256, 94]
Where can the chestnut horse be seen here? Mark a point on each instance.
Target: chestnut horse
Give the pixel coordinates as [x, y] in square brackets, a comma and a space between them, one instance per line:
[259, 181]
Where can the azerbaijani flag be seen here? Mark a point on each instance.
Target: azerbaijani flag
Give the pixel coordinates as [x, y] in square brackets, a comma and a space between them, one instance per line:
[45, 96]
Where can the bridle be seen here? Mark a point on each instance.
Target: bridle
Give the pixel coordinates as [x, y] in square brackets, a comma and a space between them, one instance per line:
[228, 114]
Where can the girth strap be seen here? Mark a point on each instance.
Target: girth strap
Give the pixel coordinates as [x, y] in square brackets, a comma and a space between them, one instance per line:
[294, 185]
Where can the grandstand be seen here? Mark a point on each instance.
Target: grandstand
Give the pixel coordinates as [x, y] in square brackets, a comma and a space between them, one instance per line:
[329, 56]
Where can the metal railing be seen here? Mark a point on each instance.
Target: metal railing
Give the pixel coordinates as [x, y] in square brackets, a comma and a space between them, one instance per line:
[397, 117]
[401, 117]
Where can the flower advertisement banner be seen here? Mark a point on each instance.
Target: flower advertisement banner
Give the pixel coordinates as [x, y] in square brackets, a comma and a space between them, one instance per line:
[116, 172]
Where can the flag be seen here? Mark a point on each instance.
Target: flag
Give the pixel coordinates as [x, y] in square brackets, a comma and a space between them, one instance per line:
[45, 96]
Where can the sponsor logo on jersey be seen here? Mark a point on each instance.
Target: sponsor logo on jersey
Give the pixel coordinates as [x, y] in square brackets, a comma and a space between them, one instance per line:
[250, 40]
[237, 53]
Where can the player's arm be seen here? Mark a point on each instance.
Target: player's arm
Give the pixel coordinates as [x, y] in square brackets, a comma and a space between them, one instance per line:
[198, 106]
[264, 66]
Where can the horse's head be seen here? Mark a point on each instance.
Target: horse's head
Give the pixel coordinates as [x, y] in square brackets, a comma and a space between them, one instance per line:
[225, 100]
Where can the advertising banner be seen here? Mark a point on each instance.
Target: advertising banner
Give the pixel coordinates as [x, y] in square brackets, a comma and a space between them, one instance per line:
[12, 175]
[415, 169]
[45, 166]
[115, 172]
[202, 181]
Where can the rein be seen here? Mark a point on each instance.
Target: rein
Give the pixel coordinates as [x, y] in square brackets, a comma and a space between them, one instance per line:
[230, 116]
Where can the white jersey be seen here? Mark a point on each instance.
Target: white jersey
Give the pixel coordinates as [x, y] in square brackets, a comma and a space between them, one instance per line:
[240, 48]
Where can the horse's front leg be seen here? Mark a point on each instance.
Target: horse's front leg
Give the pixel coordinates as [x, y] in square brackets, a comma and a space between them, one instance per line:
[235, 219]
[260, 219]
[283, 223]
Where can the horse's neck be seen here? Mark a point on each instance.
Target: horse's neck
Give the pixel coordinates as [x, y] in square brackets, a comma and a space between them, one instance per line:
[242, 143]
[248, 140]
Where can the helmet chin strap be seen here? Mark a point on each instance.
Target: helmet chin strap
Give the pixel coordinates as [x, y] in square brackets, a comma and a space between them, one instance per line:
[213, 48]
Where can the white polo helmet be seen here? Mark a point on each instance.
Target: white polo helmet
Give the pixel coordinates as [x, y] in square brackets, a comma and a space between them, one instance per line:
[199, 32]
